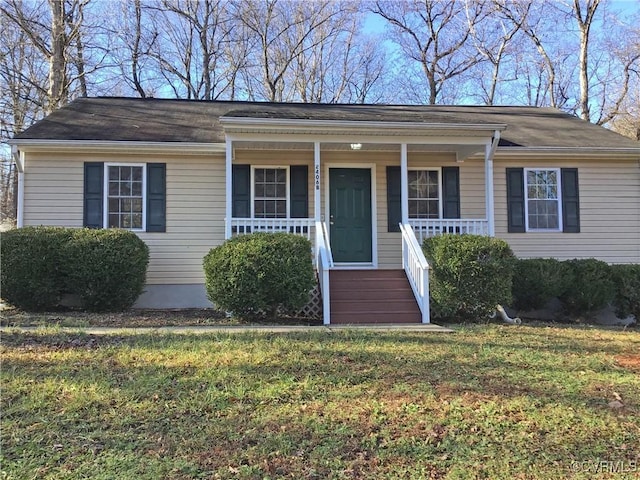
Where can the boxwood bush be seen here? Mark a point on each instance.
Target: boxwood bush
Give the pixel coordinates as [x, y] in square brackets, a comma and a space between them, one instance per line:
[106, 269]
[536, 281]
[259, 274]
[589, 286]
[470, 275]
[627, 286]
[31, 265]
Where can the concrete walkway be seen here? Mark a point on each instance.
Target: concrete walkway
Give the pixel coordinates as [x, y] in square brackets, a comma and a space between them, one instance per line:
[428, 328]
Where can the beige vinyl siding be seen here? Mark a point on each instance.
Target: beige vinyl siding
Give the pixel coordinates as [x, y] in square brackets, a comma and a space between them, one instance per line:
[195, 206]
[609, 212]
[53, 189]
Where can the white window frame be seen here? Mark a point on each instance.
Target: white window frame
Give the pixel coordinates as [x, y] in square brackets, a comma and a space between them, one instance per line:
[526, 200]
[440, 206]
[105, 200]
[287, 188]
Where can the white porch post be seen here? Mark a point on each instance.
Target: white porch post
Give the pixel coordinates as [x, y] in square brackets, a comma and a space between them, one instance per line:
[317, 210]
[490, 149]
[228, 188]
[404, 186]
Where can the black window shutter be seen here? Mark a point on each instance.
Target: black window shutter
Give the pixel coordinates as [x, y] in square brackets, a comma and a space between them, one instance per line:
[241, 191]
[570, 200]
[515, 200]
[93, 194]
[299, 191]
[394, 199]
[156, 197]
[451, 192]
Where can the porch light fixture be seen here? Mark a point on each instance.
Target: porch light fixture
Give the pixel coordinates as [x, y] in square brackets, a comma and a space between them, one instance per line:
[356, 146]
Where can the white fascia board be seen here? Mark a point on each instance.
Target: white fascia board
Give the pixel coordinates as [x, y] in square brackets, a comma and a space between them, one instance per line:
[341, 125]
[186, 148]
[364, 138]
[581, 152]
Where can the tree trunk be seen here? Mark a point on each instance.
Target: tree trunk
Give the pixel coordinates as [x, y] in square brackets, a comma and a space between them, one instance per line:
[57, 62]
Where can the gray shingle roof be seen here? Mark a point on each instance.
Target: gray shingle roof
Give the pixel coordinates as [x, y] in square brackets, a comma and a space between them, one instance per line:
[164, 120]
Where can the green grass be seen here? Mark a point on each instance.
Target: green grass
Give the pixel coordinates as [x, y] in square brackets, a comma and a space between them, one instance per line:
[486, 402]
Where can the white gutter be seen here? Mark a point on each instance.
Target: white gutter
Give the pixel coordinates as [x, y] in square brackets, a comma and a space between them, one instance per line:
[569, 150]
[301, 124]
[34, 145]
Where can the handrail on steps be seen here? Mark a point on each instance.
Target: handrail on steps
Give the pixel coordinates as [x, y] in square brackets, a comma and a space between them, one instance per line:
[417, 269]
[324, 262]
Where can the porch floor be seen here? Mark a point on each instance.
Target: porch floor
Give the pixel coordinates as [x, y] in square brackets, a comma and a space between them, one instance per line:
[372, 297]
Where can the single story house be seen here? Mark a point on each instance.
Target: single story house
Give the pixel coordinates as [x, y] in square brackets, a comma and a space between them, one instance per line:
[365, 183]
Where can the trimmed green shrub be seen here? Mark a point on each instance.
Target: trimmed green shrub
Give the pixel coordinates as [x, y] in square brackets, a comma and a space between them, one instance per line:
[627, 299]
[106, 268]
[30, 267]
[589, 285]
[256, 275]
[470, 275]
[536, 281]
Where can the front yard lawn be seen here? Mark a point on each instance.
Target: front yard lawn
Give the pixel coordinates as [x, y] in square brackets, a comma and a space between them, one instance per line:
[492, 402]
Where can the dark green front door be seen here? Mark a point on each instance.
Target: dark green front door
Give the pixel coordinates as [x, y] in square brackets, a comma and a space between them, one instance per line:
[350, 214]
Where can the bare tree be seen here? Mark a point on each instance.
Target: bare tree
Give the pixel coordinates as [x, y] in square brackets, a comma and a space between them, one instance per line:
[55, 32]
[436, 35]
[495, 38]
[584, 20]
[280, 34]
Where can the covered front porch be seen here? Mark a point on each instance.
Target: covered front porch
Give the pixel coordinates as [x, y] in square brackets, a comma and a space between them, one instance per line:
[365, 194]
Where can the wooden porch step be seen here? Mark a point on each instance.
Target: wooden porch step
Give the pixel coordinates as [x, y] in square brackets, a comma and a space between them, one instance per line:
[372, 296]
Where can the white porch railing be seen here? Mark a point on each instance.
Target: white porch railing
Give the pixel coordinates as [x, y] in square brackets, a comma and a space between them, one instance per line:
[299, 226]
[428, 227]
[324, 262]
[417, 269]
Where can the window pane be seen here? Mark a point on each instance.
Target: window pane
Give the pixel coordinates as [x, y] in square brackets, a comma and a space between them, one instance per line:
[413, 209]
[125, 188]
[281, 175]
[114, 173]
[434, 211]
[259, 191]
[423, 209]
[114, 221]
[259, 174]
[136, 220]
[125, 173]
[137, 174]
[259, 208]
[281, 208]
[270, 176]
[269, 190]
[281, 190]
[113, 205]
[114, 188]
[125, 221]
[136, 205]
[270, 208]
[136, 189]
[125, 205]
